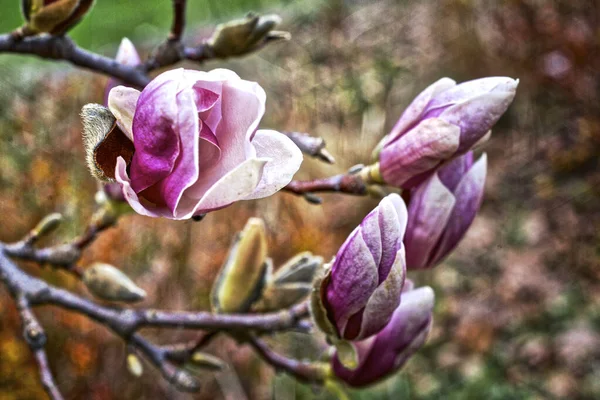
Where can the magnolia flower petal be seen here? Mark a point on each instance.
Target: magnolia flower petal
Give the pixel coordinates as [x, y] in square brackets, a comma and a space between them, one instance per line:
[428, 213]
[371, 233]
[384, 353]
[354, 277]
[419, 150]
[285, 157]
[413, 112]
[384, 300]
[185, 171]
[452, 172]
[156, 138]
[242, 106]
[474, 88]
[477, 115]
[126, 55]
[132, 198]
[121, 102]
[469, 195]
[236, 185]
[392, 220]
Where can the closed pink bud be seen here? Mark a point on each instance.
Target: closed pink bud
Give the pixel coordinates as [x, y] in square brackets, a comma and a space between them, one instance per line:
[385, 353]
[444, 121]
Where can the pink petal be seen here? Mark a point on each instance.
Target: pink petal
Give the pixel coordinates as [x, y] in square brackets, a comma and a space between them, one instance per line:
[185, 171]
[132, 198]
[476, 116]
[413, 112]
[420, 150]
[285, 159]
[156, 137]
[127, 55]
[236, 185]
[121, 102]
[428, 214]
[469, 195]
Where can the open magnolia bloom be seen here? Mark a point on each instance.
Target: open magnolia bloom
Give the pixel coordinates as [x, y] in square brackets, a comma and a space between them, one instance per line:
[385, 353]
[196, 147]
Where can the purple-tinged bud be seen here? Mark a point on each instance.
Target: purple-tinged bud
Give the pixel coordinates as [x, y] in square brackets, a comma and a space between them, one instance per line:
[385, 353]
[126, 55]
[444, 121]
[442, 208]
[360, 292]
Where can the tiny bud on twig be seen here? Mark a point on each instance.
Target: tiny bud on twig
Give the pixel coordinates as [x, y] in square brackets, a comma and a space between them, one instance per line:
[134, 365]
[46, 226]
[206, 361]
[108, 283]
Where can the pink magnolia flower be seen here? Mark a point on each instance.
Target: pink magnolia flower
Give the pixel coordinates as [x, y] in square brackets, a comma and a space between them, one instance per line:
[197, 147]
[383, 354]
[445, 121]
[368, 273]
[442, 209]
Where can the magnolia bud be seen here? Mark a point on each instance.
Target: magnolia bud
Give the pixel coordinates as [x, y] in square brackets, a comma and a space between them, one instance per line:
[441, 209]
[126, 55]
[290, 284]
[46, 226]
[185, 381]
[108, 283]
[358, 294]
[242, 276]
[445, 121]
[245, 35]
[103, 141]
[386, 352]
[134, 365]
[52, 16]
[206, 361]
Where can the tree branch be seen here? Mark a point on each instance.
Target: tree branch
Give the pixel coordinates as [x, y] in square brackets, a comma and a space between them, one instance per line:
[63, 48]
[311, 145]
[125, 323]
[343, 183]
[302, 371]
[178, 20]
[35, 337]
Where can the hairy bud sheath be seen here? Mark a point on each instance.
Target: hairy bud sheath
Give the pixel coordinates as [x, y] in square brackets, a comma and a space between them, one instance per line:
[441, 209]
[242, 276]
[103, 142]
[444, 121]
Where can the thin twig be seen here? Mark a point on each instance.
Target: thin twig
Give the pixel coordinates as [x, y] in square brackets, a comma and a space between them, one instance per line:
[35, 337]
[311, 145]
[63, 256]
[46, 375]
[178, 20]
[343, 183]
[303, 371]
[63, 48]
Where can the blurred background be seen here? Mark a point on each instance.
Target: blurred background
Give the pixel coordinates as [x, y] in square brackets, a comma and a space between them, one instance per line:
[518, 303]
